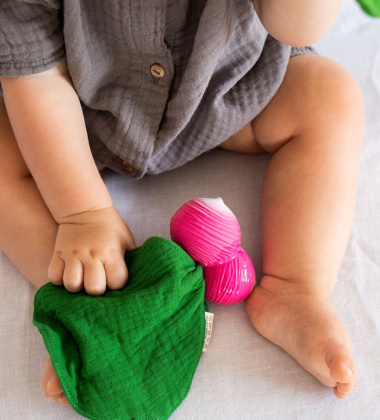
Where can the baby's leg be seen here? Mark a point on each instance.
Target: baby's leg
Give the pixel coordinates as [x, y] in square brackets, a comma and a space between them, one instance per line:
[314, 127]
[27, 229]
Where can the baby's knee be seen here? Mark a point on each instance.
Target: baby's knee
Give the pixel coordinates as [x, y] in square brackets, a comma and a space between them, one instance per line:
[331, 101]
[340, 88]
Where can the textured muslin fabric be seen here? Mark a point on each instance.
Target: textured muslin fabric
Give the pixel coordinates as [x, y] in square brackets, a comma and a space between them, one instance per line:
[220, 69]
[130, 353]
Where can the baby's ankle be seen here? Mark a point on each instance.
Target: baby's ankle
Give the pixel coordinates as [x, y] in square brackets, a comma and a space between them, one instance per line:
[309, 289]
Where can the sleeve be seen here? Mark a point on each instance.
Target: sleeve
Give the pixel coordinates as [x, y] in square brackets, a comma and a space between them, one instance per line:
[31, 36]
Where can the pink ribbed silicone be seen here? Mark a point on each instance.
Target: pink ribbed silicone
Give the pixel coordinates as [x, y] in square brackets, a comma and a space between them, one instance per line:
[230, 282]
[210, 233]
[207, 230]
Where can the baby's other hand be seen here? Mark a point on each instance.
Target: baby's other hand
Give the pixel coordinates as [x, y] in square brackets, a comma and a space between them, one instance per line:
[89, 252]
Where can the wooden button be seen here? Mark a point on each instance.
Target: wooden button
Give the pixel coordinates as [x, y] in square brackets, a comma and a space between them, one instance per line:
[127, 166]
[157, 71]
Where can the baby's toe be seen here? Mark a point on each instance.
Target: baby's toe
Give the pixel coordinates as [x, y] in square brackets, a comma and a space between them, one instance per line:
[343, 390]
[53, 388]
[341, 368]
[343, 371]
[63, 400]
[50, 384]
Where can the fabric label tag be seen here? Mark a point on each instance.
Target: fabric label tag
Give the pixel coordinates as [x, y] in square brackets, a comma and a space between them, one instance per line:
[209, 321]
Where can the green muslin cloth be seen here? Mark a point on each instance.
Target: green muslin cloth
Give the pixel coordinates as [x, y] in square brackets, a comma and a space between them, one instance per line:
[130, 353]
[371, 7]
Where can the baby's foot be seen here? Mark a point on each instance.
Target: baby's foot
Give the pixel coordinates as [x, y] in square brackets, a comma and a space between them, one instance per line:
[50, 384]
[307, 327]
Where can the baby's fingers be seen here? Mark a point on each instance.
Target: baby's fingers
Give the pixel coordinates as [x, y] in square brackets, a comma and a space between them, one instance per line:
[116, 272]
[55, 270]
[73, 275]
[94, 277]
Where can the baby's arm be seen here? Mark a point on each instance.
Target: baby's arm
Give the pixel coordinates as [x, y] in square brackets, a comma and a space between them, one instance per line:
[297, 22]
[48, 123]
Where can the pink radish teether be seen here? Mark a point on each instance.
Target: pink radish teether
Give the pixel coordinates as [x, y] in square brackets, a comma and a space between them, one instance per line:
[210, 233]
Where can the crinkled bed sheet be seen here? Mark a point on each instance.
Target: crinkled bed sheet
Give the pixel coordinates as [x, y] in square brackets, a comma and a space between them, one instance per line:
[242, 375]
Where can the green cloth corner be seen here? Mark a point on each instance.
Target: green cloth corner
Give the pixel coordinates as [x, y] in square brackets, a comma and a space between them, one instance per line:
[130, 353]
[371, 7]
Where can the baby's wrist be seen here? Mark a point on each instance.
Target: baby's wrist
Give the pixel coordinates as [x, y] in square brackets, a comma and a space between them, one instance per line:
[86, 214]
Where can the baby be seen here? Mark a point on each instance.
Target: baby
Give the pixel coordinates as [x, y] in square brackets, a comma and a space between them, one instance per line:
[143, 87]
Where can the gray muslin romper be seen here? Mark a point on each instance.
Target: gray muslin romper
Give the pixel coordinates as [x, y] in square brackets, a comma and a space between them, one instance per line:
[160, 81]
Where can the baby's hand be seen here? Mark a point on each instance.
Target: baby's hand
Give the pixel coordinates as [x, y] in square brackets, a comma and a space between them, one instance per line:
[89, 252]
